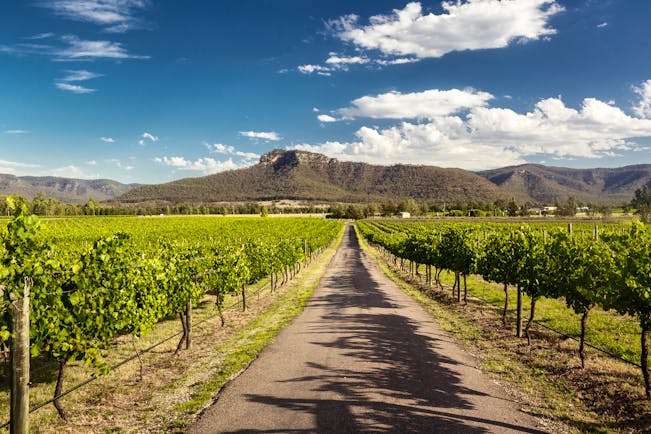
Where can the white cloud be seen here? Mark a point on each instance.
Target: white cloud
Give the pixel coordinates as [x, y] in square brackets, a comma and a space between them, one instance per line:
[318, 69]
[471, 25]
[75, 76]
[79, 49]
[271, 135]
[397, 61]
[116, 15]
[326, 118]
[474, 136]
[206, 165]
[74, 88]
[107, 139]
[602, 25]
[149, 137]
[15, 164]
[16, 131]
[421, 105]
[79, 75]
[70, 171]
[220, 148]
[91, 162]
[337, 60]
[72, 49]
[315, 109]
[643, 109]
[39, 36]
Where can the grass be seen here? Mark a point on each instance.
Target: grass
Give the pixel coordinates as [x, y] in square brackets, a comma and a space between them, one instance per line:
[173, 389]
[545, 377]
[616, 334]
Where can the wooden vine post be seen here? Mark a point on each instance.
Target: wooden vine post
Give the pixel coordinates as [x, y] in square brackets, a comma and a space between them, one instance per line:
[20, 363]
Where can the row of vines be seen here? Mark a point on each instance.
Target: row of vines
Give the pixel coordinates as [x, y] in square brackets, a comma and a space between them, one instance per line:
[86, 292]
[607, 269]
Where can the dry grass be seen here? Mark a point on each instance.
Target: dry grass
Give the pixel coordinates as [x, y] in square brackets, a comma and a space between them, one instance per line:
[124, 402]
[545, 377]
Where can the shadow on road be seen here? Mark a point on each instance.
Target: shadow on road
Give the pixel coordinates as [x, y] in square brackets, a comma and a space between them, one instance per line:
[407, 384]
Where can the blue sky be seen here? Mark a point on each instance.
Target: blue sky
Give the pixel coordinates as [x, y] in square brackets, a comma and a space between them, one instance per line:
[150, 91]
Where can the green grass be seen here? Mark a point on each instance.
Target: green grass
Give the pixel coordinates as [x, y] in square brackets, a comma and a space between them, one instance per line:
[614, 333]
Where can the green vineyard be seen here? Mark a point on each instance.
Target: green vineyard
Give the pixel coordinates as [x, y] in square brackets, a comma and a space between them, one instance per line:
[566, 274]
[90, 281]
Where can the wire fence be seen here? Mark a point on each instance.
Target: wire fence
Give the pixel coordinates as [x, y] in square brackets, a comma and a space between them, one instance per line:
[140, 353]
[539, 323]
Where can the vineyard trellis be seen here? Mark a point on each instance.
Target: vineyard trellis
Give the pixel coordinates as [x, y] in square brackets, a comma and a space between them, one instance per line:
[609, 269]
[84, 297]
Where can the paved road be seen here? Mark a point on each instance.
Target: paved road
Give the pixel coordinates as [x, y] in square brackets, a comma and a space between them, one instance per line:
[362, 357]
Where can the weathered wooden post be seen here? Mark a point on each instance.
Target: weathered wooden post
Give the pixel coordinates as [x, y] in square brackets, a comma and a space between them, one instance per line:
[20, 362]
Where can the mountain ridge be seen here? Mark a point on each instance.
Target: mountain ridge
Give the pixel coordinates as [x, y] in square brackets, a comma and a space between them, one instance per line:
[67, 190]
[302, 175]
[306, 176]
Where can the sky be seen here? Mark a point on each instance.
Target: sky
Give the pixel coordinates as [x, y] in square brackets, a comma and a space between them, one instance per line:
[145, 91]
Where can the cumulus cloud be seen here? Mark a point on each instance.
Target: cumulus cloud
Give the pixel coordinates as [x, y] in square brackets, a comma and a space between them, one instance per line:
[643, 108]
[471, 25]
[116, 16]
[206, 165]
[602, 25]
[107, 139]
[326, 118]
[408, 35]
[426, 104]
[271, 135]
[472, 135]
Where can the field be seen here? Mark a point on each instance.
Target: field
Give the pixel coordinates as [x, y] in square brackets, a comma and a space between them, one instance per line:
[587, 333]
[110, 291]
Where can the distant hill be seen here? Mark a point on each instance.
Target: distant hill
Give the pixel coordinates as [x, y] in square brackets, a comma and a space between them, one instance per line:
[301, 175]
[542, 184]
[306, 176]
[65, 190]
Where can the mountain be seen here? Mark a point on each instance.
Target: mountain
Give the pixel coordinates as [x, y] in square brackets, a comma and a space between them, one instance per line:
[542, 184]
[306, 176]
[65, 190]
[301, 175]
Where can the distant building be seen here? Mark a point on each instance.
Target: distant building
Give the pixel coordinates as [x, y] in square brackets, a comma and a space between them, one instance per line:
[403, 215]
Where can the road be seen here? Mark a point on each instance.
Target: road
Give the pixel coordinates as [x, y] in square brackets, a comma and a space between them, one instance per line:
[363, 357]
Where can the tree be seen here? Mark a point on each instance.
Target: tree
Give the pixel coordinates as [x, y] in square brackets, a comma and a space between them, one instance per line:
[642, 201]
[512, 208]
[91, 207]
[569, 208]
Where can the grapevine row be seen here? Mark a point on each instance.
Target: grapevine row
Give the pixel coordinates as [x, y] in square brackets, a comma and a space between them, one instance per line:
[82, 298]
[610, 270]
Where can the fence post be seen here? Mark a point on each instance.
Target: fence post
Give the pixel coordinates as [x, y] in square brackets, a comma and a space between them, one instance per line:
[20, 363]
